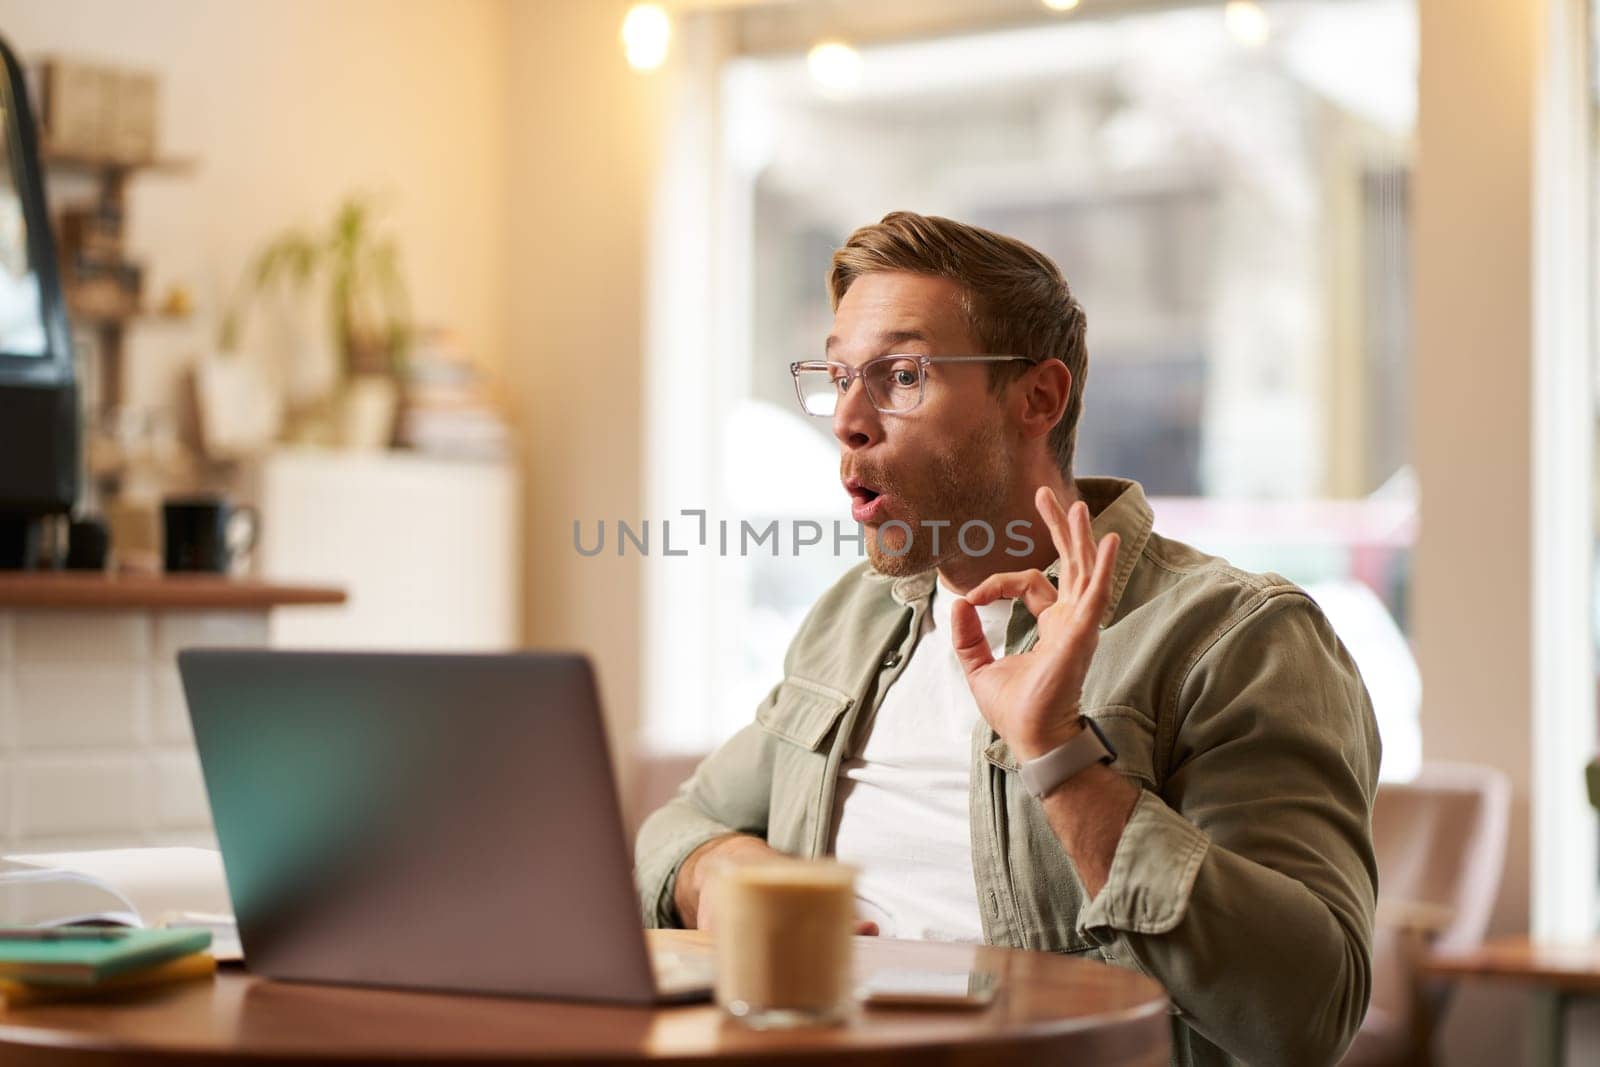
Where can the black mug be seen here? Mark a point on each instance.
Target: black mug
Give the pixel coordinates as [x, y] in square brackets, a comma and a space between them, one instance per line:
[88, 545]
[205, 533]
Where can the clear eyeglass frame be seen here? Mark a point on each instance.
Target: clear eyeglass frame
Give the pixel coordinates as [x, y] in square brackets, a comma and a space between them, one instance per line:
[820, 383]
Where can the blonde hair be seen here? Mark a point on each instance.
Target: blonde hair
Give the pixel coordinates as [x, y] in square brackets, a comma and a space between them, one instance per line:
[1017, 302]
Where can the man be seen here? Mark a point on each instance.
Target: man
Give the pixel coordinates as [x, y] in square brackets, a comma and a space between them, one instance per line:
[1225, 851]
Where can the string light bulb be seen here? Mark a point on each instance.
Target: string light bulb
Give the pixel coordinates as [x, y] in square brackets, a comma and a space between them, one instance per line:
[646, 30]
[1248, 22]
[1061, 5]
[835, 66]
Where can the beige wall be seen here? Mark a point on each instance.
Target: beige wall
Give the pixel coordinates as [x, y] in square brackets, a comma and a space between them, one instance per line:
[513, 146]
[288, 105]
[582, 132]
[1473, 303]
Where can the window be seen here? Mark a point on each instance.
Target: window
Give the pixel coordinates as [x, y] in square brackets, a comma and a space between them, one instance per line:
[1566, 527]
[1234, 220]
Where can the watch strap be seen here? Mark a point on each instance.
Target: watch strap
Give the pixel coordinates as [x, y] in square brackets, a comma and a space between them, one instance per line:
[1089, 746]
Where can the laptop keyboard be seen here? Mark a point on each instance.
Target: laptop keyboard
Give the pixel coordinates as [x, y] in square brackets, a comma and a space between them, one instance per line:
[682, 970]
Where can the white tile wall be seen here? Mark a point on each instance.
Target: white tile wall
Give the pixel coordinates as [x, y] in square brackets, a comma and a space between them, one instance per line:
[87, 705]
[169, 710]
[77, 843]
[64, 636]
[179, 796]
[95, 746]
[8, 715]
[191, 838]
[90, 794]
[200, 629]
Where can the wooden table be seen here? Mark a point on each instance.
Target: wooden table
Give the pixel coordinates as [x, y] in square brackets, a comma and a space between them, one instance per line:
[124, 592]
[1050, 1009]
[1556, 973]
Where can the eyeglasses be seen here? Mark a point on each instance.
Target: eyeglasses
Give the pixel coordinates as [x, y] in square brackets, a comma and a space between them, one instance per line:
[893, 383]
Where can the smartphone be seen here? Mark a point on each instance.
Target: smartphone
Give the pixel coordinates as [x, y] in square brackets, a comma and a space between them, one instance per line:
[928, 989]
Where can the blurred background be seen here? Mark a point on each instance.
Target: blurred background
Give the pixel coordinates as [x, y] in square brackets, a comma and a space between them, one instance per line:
[436, 285]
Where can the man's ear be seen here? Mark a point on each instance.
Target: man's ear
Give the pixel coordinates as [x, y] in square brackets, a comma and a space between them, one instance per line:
[1044, 389]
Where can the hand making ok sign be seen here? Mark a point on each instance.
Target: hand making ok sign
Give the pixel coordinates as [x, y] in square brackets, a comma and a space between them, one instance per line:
[1032, 699]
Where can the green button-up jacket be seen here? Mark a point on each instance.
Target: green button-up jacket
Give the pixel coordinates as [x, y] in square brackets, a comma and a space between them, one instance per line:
[1244, 881]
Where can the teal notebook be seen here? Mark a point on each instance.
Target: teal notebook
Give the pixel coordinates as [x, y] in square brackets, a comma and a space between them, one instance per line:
[84, 962]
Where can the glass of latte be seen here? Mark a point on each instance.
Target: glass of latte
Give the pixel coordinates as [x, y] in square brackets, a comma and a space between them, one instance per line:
[783, 941]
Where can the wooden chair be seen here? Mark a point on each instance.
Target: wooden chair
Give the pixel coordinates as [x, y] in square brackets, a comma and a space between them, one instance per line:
[656, 778]
[1440, 841]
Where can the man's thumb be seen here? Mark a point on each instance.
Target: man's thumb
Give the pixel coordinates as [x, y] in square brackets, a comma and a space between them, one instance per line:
[966, 636]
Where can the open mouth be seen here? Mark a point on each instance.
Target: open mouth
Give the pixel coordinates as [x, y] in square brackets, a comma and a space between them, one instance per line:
[866, 502]
[861, 494]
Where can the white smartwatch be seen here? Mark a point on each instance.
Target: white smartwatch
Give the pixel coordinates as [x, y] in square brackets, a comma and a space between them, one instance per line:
[1087, 748]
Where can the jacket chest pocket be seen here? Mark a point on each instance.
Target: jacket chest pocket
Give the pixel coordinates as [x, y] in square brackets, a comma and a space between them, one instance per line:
[802, 716]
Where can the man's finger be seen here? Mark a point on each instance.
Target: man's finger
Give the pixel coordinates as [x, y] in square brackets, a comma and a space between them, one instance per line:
[966, 636]
[1032, 587]
[1083, 541]
[1055, 520]
[1098, 595]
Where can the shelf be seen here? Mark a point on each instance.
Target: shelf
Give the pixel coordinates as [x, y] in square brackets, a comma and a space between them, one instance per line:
[86, 318]
[111, 318]
[112, 464]
[92, 589]
[81, 161]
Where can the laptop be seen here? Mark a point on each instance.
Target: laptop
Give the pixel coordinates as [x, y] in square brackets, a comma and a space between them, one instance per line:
[444, 822]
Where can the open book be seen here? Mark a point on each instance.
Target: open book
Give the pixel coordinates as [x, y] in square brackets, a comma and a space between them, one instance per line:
[171, 887]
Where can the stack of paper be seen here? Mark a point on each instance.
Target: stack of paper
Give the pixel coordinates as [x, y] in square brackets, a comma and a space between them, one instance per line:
[138, 887]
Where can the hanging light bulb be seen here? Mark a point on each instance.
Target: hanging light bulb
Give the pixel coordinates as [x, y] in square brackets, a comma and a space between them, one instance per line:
[835, 66]
[645, 33]
[1247, 21]
[1061, 5]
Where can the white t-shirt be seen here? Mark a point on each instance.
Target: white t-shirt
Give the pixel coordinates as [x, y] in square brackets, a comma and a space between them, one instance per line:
[901, 811]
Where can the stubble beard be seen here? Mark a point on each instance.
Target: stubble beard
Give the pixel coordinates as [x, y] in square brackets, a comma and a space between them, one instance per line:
[965, 483]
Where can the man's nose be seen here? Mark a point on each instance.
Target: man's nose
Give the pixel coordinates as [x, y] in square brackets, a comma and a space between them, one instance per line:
[855, 421]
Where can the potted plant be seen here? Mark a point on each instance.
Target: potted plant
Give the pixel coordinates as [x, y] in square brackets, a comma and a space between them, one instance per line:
[357, 266]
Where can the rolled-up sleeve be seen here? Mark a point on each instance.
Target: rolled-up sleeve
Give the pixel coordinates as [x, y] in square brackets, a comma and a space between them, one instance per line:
[1247, 886]
[729, 793]
[1152, 872]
